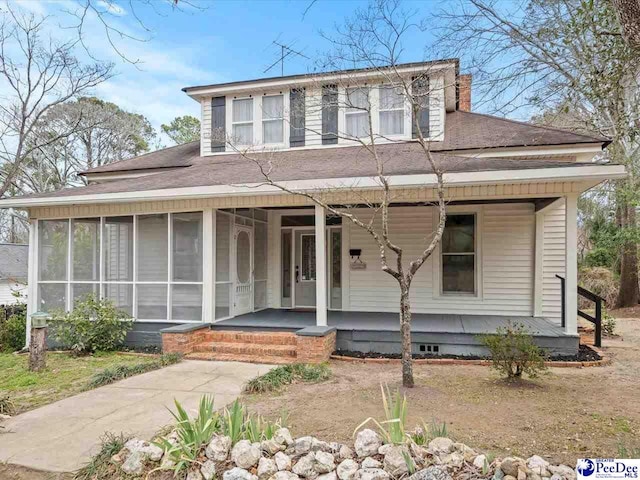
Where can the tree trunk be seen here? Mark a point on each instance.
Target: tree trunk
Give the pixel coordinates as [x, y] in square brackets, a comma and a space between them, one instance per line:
[405, 331]
[629, 293]
[38, 350]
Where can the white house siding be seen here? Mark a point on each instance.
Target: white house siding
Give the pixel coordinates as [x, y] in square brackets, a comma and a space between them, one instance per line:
[506, 260]
[553, 262]
[7, 287]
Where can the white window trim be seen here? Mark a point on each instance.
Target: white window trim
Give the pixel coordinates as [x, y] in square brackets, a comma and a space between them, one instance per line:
[406, 116]
[344, 101]
[272, 120]
[252, 122]
[476, 210]
[257, 120]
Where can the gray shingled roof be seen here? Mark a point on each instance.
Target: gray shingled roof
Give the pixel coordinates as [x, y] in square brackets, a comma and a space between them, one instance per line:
[463, 131]
[13, 261]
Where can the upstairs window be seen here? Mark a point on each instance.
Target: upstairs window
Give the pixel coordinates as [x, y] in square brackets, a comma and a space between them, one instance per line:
[391, 111]
[356, 115]
[243, 121]
[459, 254]
[272, 119]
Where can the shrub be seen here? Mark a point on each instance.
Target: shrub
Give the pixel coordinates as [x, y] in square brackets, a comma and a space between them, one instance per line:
[120, 372]
[286, 374]
[608, 323]
[92, 325]
[100, 465]
[513, 352]
[13, 332]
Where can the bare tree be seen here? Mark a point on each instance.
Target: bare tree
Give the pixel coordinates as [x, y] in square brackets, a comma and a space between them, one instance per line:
[37, 75]
[628, 12]
[546, 54]
[372, 39]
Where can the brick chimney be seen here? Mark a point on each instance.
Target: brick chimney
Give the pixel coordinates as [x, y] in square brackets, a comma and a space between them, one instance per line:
[464, 92]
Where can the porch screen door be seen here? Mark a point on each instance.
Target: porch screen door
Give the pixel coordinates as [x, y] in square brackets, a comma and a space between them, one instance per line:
[244, 271]
[305, 271]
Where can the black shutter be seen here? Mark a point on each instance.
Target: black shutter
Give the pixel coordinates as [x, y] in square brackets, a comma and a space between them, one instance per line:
[218, 131]
[329, 114]
[296, 117]
[420, 89]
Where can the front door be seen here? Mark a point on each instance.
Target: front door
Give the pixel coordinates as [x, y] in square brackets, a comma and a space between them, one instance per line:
[243, 301]
[305, 268]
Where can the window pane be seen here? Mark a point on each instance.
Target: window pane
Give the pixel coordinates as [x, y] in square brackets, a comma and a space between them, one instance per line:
[458, 236]
[357, 125]
[391, 98]
[81, 291]
[53, 249]
[243, 257]
[286, 269]
[272, 131]
[336, 269]
[121, 296]
[357, 99]
[392, 123]
[118, 248]
[52, 297]
[186, 302]
[152, 248]
[86, 249]
[243, 110]
[458, 273]
[272, 107]
[223, 300]
[308, 257]
[187, 247]
[223, 253]
[260, 251]
[152, 302]
[243, 134]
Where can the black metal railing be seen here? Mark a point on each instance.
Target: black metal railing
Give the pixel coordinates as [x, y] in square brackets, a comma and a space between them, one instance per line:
[596, 299]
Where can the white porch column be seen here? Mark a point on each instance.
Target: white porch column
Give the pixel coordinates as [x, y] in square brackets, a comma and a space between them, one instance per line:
[321, 267]
[208, 265]
[571, 264]
[538, 270]
[32, 276]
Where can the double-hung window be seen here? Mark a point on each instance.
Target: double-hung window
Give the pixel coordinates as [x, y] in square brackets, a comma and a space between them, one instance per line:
[272, 119]
[391, 111]
[356, 113]
[458, 260]
[242, 121]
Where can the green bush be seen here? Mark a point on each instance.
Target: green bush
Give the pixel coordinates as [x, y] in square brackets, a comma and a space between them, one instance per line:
[92, 325]
[513, 352]
[13, 332]
[286, 374]
[119, 372]
[608, 323]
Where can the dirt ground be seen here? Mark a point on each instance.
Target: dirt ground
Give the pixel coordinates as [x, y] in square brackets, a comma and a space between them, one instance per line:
[568, 414]
[13, 472]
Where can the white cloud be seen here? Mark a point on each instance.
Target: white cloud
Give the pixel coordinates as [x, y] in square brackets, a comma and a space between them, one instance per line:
[111, 7]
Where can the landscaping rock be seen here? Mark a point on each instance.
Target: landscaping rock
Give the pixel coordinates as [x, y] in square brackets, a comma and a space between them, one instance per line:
[508, 477]
[271, 446]
[283, 461]
[319, 445]
[167, 462]
[305, 467]
[146, 449]
[266, 468]
[218, 448]
[347, 469]
[194, 475]
[431, 473]
[134, 463]
[302, 445]
[509, 466]
[538, 466]
[563, 471]
[345, 452]
[328, 476]
[385, 448]
[283, 437]
[450, 460]
[208, 470]
[395, 461]
[479, 461]
[324, 462]
[370, 462]
[371, 474]
[237, 473]
[285, 476]
[245, 454]
[440, 445]
[367, 443]
[468, 453]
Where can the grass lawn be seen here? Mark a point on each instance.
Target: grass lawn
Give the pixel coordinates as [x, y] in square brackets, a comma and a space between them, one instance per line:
[65, 375]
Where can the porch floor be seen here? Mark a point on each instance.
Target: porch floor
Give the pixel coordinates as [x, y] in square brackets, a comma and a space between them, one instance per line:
[292, 320]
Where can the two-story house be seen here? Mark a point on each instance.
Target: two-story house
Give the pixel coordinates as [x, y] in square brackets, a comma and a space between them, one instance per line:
[191, 242]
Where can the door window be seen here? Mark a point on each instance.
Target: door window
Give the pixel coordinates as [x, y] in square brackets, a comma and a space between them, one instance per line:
[308, 257]
[243, 257]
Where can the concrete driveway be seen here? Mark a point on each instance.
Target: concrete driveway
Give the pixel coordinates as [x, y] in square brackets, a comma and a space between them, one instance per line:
[62, 436]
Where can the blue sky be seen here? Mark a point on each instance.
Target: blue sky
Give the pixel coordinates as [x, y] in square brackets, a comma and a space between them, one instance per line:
[226, 40]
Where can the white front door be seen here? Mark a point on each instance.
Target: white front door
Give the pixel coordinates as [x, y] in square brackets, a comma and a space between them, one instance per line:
[243, 301]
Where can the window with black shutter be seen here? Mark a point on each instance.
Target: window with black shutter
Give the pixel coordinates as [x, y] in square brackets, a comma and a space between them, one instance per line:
[329, 114]
[218, 132]
[296, 117]
[421, 98]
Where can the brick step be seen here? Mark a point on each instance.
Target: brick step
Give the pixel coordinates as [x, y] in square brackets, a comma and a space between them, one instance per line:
[261, 338]
[230, 357]
[246, 349]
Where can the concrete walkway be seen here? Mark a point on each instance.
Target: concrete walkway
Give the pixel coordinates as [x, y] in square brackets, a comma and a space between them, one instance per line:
[62, 436]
